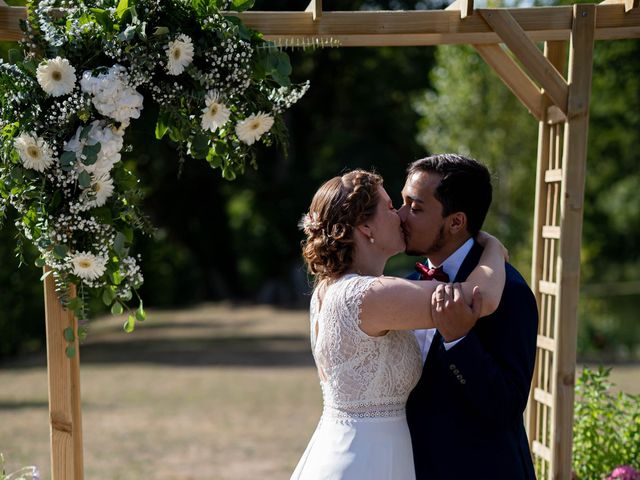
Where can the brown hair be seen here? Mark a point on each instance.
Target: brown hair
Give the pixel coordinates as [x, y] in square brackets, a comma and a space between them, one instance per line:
[339, 205]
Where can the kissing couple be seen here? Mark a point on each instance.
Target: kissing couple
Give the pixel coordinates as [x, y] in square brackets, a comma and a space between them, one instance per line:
[421, 378]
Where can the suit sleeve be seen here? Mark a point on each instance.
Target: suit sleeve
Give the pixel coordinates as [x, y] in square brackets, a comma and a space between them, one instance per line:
[493, 371]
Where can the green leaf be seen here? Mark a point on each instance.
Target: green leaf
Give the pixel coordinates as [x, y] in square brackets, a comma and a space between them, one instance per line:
[67, 161]
[118, 245]
[69, 336]
[162, 125]
[84, 179]
[90, 153]
[141, 315]
[45, 275]
[102, 18]
[214, 158]
[117, 309]
[122, 7]
[160, 31]
[242, 5]
[116, 278]
[200, 145]
[15, 56]
[70, 352]
[108, 295]
[40, 262]
[60, 251]
[84, 134]
[130, 324]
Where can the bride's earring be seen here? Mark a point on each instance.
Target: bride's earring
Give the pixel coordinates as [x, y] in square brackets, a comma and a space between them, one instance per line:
[371, 240]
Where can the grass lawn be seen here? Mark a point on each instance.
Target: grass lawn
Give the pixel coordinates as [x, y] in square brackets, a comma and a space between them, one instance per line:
[214, 392]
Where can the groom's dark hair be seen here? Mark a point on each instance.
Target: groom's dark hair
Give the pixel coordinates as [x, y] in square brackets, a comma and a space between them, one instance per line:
[465, 186]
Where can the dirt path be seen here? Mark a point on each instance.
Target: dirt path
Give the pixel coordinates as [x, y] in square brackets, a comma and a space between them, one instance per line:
[213, 392]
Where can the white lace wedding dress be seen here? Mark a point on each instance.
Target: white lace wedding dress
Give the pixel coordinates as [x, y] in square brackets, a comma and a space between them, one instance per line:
[363, 433]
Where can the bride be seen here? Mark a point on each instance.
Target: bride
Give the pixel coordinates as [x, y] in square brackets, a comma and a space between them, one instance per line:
[367, 358]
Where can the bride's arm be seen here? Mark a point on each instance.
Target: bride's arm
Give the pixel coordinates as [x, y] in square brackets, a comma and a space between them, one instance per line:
[393, 303]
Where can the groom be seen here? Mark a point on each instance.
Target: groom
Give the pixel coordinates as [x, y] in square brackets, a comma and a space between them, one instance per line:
[466, 413]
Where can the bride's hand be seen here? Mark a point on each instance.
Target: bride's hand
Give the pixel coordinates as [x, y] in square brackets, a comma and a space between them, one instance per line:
[484, 238]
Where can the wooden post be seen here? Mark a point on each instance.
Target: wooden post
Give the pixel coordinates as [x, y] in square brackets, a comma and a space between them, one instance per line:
[65, 416]
[571, 213]
[544, 280]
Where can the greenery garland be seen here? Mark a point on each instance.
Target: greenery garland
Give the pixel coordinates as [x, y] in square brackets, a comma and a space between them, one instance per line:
[68, 96]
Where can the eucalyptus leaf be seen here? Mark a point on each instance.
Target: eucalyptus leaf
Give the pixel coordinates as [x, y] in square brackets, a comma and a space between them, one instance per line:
[118, 245]
[60, 251]
[69, 336]
[39, 262]
[70, 351]
[130, 325]
[84, 179]
[117, 309]
[108, 296]
[67, 161]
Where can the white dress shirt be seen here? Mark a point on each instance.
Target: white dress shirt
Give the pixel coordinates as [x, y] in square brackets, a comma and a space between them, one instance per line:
[450, 266]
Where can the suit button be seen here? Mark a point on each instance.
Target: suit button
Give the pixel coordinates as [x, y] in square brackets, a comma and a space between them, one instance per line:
[459, 377]
[452, 367]
[463, 381]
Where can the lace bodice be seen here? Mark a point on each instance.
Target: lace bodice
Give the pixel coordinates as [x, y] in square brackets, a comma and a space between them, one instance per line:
[360, 375]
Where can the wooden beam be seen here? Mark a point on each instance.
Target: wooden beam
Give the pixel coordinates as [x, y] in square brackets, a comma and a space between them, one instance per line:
[315, 7]
[406, 28]
[513, 76]
[528, 53]
[65, 416]
[465, 7]
[571, 215]
[628, 4]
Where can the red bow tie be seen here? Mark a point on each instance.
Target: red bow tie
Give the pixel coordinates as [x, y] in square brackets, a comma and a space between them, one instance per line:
[427, 273]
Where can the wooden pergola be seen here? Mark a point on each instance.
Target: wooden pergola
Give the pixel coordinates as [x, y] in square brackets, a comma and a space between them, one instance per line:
[554, 84]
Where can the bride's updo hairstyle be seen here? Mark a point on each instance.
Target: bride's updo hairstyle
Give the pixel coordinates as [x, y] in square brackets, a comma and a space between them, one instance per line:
[339, 205]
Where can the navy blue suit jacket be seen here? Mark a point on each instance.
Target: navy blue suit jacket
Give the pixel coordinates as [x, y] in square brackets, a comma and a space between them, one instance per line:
[466, 413]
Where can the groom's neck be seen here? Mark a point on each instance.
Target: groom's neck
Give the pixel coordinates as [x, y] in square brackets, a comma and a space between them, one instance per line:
[447, 249]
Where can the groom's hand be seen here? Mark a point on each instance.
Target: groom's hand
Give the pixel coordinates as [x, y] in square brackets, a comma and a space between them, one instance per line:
[451, 315]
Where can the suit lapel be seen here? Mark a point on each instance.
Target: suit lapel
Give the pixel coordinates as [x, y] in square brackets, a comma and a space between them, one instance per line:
[469, 263]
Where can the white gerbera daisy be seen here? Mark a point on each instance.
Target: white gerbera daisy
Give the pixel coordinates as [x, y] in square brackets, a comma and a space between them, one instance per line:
[87, 265]
[215, 114]
[102, 187]
[56, 76]
[253, 127]
[180, 54]
[34, 152]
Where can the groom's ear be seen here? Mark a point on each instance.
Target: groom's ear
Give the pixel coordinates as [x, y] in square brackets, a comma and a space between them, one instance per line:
[457, 223]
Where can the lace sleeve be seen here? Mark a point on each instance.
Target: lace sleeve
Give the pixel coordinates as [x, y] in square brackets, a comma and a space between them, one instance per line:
[352, 293]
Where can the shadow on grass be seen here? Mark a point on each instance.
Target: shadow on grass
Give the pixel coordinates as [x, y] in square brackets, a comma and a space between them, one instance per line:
[22, 404]
[224, 351]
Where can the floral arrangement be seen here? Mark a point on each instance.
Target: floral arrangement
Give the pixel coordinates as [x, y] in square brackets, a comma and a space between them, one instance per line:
[624, 472]
[82, 75]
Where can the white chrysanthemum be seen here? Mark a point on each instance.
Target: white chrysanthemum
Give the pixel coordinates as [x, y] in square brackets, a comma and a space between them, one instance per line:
[102, 188]
[87, 265]
[215, 114]
[56, 76]
[180, 54]
[253, 127]
[110, 145]
[112, 95]
[34, 152]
